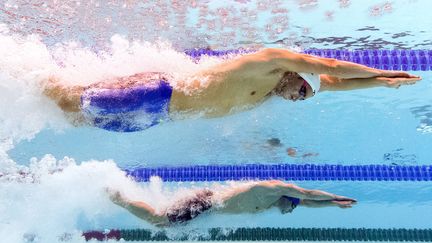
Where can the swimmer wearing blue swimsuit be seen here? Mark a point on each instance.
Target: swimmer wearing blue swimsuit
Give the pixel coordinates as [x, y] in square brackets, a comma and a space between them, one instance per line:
[249, 198]
[140, 101]
[128, 109]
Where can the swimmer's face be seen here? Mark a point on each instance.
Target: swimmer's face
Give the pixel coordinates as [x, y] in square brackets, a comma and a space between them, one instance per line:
[285, 205]
[293, 87]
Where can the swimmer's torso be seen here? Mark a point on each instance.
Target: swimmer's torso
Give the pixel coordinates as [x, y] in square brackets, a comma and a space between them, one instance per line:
[256, 200]
[226, 93]
[230, 87]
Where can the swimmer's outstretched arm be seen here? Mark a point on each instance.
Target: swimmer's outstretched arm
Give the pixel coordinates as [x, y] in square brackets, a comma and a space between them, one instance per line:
[139, 209]
[265, 193]
[258, 73]
[332, 83]
[326, 203]
[297, 62]
[248, 80]
[273, 190]
[292, 190]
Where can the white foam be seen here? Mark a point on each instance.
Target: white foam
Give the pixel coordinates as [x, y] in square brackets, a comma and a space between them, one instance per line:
[123, 58]
[50, 197]
[42, 201]
[27, 63]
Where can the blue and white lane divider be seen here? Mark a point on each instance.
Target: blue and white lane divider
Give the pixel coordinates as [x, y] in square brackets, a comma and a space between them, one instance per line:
[294, 172]
[406, 60]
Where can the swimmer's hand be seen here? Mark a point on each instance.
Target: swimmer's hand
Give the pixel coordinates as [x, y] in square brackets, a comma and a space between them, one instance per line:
[116, 197]
[396, 82]
[342, 198]
[344, 203]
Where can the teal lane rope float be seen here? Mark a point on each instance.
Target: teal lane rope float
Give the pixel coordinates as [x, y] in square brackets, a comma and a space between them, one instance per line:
[303, 172]
[270, 234]
[406, 60]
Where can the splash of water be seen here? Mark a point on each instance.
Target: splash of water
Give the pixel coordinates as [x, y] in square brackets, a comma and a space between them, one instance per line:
[27, 63]
[42, 201]
[51, 196]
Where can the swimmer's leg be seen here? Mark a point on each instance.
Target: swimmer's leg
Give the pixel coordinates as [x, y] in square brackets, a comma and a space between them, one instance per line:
[68, 98]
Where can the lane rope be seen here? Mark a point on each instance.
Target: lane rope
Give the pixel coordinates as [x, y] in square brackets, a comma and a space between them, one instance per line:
[295, 172]
[269, 234]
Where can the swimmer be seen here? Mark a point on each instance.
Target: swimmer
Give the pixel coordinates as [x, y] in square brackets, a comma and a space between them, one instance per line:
[137, 102]
[250, 198]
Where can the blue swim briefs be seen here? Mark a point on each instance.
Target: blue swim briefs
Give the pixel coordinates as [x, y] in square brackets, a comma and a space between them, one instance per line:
[128, 109]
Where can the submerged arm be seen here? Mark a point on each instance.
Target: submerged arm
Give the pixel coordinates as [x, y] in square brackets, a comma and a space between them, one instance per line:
[295, 191]
[326, 203]
[139, 209]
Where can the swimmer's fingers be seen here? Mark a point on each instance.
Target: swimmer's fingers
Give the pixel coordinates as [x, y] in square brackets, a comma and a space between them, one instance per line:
[342, 198]
[344, 204]
[109, 190]
[114, 195]
[397, 82]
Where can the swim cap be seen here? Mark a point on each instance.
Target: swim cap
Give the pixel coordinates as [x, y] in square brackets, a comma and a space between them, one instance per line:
[313, 80]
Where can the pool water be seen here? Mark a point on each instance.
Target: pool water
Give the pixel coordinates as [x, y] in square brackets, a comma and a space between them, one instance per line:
[54, 175]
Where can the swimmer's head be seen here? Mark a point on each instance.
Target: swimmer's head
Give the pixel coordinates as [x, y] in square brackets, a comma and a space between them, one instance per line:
[287, 204]
[293, 87]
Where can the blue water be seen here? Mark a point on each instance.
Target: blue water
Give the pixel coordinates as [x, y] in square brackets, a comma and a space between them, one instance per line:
[87, 41]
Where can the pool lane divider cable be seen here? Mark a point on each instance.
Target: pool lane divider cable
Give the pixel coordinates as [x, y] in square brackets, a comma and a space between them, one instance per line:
[406, 60]
[294, 172]
[269, 234]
